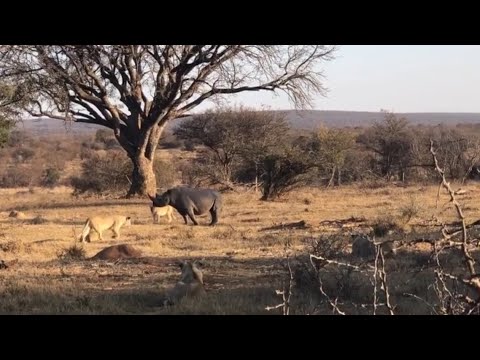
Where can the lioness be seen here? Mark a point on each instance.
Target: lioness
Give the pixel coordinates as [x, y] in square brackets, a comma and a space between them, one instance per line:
[190, 284]
[157, 212]
[102, 223]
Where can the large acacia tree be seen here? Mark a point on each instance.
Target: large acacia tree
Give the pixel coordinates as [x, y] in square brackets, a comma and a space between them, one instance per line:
[135, 90]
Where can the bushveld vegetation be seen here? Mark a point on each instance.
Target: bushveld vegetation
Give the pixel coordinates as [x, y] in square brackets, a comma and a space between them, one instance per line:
[136, 90]
[375, 220]
[291, 254]
[237, 148]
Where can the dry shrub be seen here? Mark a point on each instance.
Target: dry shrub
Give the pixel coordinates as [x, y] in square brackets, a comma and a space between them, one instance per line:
[331, 246]
[11, 246]
[111, 171]
[170, 141]
[373, 184]
[410, 210]
[74, 252]
[18, 137]
[54, 159]
[328, 246]
[38, 220]
[16, 177]
[384, 226]
[165, 174]
[102, 174]
[194, 174]
[22, 154]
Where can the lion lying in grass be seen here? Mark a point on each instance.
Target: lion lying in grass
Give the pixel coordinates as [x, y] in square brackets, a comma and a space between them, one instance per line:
[190, 284]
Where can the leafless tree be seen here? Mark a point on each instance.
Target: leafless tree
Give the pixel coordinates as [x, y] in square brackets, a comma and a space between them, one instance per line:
[135, 90]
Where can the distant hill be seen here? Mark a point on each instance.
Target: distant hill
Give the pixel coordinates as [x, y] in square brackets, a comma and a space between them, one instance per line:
[304, 119]
[47, 126]
[310, 119]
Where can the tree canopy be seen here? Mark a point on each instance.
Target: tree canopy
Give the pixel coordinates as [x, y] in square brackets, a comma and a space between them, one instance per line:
[136, 89]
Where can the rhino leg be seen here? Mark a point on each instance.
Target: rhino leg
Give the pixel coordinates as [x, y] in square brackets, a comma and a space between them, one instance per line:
[214, 214]
[214, 211]
[191, 216]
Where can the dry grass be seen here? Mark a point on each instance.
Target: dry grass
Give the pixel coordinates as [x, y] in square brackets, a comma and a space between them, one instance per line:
[242, 259]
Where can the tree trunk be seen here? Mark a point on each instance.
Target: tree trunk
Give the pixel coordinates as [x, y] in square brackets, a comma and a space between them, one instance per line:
[256, 177]
[143, 178]
[332, 178]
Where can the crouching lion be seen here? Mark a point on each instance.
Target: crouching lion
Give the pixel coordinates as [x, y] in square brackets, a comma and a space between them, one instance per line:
[190, 284]
[157, 212]
[101, 223]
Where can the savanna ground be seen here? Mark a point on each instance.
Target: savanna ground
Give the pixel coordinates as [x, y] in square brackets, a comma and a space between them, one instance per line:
[244, 259]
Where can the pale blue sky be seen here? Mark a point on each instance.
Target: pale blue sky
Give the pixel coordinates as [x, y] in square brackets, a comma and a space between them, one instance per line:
[399, 78]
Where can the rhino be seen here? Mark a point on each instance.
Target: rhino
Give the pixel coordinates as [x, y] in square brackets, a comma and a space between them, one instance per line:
[191, 202]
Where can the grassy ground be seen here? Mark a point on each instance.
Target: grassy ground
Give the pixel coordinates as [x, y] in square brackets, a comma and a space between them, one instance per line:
[243, 254]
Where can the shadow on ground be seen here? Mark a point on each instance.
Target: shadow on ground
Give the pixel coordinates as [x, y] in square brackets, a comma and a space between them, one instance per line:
[76, 204]
[137, 286]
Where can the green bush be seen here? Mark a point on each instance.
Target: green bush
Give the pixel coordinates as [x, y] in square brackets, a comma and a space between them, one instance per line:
[111, 173]
[103, 174]
[50, 177]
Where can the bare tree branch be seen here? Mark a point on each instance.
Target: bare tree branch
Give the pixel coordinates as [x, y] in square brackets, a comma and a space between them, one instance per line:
[332, 303]
[468, 258]
[136, 89]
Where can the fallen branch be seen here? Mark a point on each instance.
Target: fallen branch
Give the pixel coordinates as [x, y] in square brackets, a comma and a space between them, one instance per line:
[295, 225]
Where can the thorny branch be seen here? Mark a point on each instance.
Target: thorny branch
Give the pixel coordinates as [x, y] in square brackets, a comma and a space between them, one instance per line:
[333, 304]
[383, 278]
[451, 300]
[377, 254]
[446, 297]
[468, 258]
[378, 273]
[338, 263]
[287, 290]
